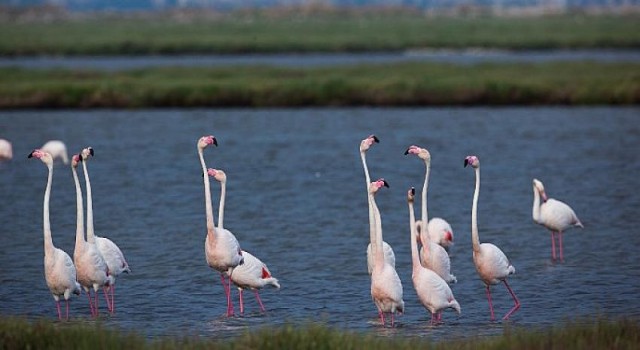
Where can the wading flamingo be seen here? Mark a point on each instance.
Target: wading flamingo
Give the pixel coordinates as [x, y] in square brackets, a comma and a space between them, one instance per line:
[553, 214]
[389, 256]
[221, 247]
[6, 151]
[433, 292]
[386, 287]
[440, 232]
[57, 149]
[253, 273]
[434, 256]
[492, 264]
[59, 271]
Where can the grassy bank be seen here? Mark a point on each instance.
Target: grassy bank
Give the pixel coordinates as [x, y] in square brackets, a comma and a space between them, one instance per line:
[310, 32]
[406, 84]
[600, 334]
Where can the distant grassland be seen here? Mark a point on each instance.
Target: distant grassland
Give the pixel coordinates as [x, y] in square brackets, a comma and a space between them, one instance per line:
[315, 32]
[597, 334]
[403, 84]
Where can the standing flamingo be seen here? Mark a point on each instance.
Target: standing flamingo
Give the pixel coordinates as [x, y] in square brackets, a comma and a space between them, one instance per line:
[433, 292]
[440, 232]
[221, 247]
[253, 273]
[434, 256]
[59, 271]
[92, 269]
[553, 214]
[389, 256]
[491, 263]
[6, 151]
[113, 256]
[386, 287]
[57, 149]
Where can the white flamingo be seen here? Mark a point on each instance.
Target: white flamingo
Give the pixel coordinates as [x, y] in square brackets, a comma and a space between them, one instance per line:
[6, 151]
[253, 273]
[440, 231]
[553, 214]
[433, 292]
[389, 256]
[113, 256]
[492, 264]
[386, 287]
[221, 247]
[59, 271]
[434, 256]
[57, 149]
[92, 268]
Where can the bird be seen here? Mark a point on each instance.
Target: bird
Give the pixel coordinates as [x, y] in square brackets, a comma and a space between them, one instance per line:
[386, 287]
[433, 292]
[434, 256]
[553, 214]
[253, 273]
[222, 249]
[113, 256]
[57, 149]
[93, 271]
[59, 270]
[440, 232]
[492, 264]
[6, 150]
[389, 255]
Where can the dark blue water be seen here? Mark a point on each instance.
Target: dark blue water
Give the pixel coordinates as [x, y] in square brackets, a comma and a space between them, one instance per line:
[296, 199]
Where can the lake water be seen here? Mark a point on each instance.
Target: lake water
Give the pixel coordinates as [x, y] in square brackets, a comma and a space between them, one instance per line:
[296, 199]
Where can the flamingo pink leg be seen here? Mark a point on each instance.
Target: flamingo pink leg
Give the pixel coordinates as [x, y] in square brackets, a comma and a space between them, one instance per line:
[433, 319]
[227, 290]
[259, 301]
[67, 309]
[381, 317]
[392, 319]
[96, 302]
[560, 244]
[58, 307]
[107, 299]
[241, 303]
[515, 299]
[553, 245]
[113, 298]
[93, 312]
[490, 303]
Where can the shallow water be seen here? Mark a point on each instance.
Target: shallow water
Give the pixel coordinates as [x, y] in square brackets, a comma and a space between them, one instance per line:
[296, 199]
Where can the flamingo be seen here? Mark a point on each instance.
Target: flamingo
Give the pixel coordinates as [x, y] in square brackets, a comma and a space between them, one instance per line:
[111, 253]
[433, 292]
[221, 247]
[253, 273]
[553, 214]
[389, 256]
[439, 230]
[386, 287]
[434, 256]
[492, 264]
[59, 271]
[92, 268]
[6, 151]
[57, 149]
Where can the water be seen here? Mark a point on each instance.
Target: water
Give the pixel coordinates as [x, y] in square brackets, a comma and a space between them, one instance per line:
[296, 199]
[464, 57]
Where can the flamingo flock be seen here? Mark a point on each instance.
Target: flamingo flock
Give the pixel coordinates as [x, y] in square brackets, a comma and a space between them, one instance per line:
[97, 261]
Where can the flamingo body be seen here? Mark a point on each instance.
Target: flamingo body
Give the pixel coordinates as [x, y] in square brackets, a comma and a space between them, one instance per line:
[6, 150]
[57, 149]
[389, 256]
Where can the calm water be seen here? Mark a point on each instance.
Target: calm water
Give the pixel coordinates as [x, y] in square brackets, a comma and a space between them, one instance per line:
[296, 199]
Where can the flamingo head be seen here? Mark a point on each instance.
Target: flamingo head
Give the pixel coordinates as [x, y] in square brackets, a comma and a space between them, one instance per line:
[448, 237]
[473, 161]
[45, 157]
[538, 186]
[75, 160]
[367, 142]
[411, 195]
[217, 174]
[86, 153]
[422, 153]
[207, 140]
[376, 185]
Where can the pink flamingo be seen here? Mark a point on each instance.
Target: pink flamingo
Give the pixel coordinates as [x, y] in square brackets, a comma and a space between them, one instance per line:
[57, 149]
[6, 150]
[433, 292]
[59, 271]
[221, 247]
[492, 264]
[553, 214]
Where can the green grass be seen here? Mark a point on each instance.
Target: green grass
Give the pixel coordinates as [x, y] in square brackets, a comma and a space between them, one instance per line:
[316, 32]
[406, 84]
[585, 334]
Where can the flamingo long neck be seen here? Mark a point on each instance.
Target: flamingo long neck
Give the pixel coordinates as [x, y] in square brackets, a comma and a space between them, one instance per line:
[207, 197]
[424, 233]
[79, 211]
[378, 254]
[48, 242]
[372, 228]
[474, 214]
[91, 238]
[415, 260]
[536, 205]
[223, 195]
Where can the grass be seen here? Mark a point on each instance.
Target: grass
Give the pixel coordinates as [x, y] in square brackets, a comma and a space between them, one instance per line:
[404, 84]
[259, 32]
[18, 333]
